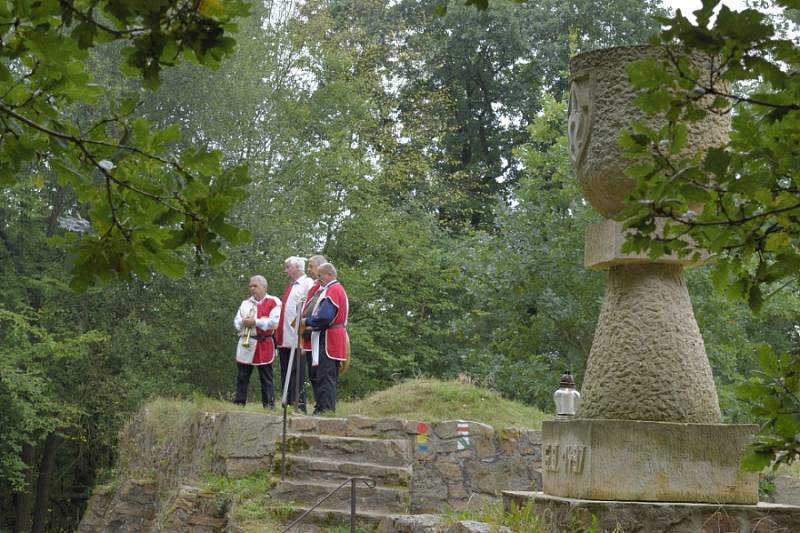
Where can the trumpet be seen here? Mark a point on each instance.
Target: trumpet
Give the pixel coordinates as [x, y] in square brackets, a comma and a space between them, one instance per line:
[248, 330]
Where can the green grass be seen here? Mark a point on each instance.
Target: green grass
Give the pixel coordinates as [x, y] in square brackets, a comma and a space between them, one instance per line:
[249, 500]
[168, 417]
[519, 519]
[428, 400]
[432, 400]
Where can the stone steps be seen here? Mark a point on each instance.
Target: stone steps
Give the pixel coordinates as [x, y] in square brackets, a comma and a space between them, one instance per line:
[318, 462]
[299, 467]
[307, 493]
[387, 452]
[327, 517]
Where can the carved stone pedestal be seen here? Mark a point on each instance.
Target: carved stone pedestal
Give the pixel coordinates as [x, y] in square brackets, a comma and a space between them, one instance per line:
[647, 461]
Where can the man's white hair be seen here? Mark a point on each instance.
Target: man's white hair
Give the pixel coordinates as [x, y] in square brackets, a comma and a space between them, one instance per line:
[261, 280]
[317, 260]
[327, 268]
[299, 262]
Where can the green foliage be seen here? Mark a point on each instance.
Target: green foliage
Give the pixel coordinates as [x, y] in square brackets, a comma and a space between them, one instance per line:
[535, 305]
[33, 405]
[772, 393]
[142, 197]
[479, 75]
[739, 201]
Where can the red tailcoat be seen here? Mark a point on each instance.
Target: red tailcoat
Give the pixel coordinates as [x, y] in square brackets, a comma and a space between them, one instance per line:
[265, 349]
[337, 343]
[284, 299]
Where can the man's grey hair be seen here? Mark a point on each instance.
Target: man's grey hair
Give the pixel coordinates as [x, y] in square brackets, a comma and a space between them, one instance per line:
[317, 260]
[261, 280]
[327, 268]
[299, 262]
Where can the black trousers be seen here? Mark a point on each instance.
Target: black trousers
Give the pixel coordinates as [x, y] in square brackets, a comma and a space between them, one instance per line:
[284, 354]
[264, 376]
[324, 379]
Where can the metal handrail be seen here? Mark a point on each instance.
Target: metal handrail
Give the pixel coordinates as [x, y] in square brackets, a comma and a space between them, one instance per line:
[368, 481]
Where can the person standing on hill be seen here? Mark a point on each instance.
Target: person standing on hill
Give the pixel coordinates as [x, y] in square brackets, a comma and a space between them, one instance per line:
[311, 302]
[255, 321]
[298, 287]
[330, 345]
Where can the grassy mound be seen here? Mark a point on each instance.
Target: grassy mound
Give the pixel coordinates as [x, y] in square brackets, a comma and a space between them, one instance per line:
[428, 400]
[432, 400]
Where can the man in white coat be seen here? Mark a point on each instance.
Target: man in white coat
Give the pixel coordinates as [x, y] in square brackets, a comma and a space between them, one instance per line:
[298, 286]
[256, 321]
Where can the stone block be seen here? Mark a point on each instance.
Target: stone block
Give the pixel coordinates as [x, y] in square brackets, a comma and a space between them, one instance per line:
[603, 248]
[492, 478]
[333, 426]
[647, 461]
[451, 470]
[391, 427]
[417, 523]
[787, 490]
[571, 514]
[449, 429]
[470, 526]
[239, 467]
[245, 434]
[303, 424]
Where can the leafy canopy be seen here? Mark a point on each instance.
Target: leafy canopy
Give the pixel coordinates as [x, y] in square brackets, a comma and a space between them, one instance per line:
[748, 189]
[138, 197]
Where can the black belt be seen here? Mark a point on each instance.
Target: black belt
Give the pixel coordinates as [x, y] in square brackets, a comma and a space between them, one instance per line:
[261, 337]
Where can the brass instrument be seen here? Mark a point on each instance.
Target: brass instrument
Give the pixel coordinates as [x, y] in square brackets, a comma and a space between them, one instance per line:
[298, 324]
[249, 330]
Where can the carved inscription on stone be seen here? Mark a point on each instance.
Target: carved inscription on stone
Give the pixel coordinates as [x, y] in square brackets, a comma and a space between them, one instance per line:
[569, 455]
[579, 122]
[550, 457]
[573, 459]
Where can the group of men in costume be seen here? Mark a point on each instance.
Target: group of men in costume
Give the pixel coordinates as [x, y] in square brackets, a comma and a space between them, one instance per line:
[309, 321]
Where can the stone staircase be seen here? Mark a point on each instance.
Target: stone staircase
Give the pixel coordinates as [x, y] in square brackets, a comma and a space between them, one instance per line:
[323, 453]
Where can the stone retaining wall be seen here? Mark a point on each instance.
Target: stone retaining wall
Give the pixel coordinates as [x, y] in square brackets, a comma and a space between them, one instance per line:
[455, 463]
[458, 463]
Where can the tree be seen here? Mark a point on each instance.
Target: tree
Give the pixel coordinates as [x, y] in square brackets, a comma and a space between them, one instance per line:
[136, 199]
[748, 191]
[480, 76]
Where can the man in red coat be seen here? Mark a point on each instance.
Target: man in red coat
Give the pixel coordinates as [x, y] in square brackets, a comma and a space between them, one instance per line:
[330, 345]
[314, 263]
[259, 313]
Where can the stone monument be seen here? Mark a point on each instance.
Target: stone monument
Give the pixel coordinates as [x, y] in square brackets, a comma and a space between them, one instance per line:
[648, 428]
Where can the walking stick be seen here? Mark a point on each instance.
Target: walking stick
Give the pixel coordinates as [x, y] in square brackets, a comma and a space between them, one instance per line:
[285, 396]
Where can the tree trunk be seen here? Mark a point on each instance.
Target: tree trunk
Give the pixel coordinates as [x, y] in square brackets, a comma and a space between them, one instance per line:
[58, 200]
[23, 500]
[43, 483]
